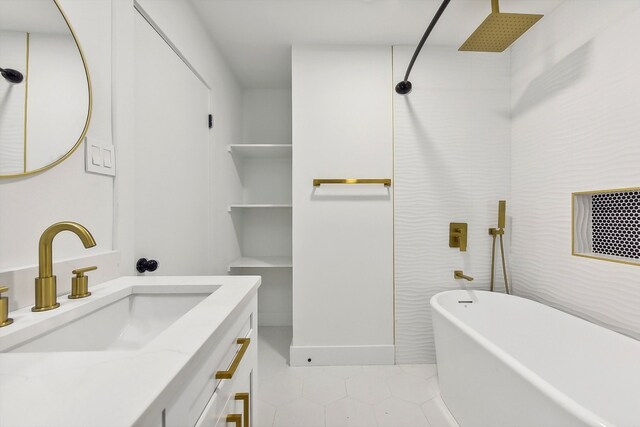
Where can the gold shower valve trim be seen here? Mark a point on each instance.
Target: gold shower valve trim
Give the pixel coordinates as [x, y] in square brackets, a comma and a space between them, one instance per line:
[458, 235]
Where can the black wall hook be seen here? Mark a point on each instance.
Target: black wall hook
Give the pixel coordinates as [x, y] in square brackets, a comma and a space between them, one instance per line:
[144, 264]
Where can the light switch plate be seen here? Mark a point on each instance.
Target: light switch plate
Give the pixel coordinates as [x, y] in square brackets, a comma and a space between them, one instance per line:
[100, 158]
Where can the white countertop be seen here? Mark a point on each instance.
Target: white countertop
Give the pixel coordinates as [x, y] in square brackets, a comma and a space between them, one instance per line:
[113, 388]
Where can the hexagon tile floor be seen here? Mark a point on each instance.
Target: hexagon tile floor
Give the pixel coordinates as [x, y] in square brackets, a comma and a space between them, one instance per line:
[343, 396]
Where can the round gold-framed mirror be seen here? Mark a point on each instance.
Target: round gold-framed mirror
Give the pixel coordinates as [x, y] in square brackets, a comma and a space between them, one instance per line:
[45, 87]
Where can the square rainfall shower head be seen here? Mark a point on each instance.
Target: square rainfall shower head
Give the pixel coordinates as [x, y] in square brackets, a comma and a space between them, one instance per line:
[499, 31]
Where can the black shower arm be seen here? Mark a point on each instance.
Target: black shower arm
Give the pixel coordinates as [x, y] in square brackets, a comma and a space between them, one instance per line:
[404, 86]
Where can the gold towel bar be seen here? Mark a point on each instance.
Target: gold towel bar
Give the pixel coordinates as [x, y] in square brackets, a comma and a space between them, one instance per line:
[385, 181]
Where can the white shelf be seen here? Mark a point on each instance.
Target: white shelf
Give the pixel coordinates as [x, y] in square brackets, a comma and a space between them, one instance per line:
[262, 262]
[259, 206]
[261, 150]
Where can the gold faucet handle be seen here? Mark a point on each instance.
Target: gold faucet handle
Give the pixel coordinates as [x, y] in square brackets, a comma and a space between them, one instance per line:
[80, 283]
[79, 272]
[4, 308]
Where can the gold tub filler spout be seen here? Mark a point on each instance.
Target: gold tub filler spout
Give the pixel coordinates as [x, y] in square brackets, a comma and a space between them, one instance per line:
[459, 274]
[46, 287]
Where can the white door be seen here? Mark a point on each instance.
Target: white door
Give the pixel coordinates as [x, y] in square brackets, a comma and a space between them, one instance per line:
[172, 219]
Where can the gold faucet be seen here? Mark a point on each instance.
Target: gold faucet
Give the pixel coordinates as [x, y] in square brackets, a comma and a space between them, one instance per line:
[46, 288]
[459, 274]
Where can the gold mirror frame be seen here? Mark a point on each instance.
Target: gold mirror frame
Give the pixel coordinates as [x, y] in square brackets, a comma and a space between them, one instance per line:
[89, 109]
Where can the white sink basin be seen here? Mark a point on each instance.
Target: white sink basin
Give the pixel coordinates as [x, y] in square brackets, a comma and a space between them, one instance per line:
[126, 320]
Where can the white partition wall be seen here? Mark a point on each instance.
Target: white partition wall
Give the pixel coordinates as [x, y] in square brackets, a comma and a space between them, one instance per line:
[342, 234]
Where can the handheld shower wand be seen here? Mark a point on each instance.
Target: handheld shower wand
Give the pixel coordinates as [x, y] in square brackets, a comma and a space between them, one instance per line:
[495, 232]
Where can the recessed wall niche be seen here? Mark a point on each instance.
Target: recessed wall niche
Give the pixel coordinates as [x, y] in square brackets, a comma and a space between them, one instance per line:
[606, 225]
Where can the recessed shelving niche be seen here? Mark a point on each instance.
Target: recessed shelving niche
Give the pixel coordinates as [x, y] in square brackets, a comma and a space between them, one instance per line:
[262, 262]
[606, 225]
[262, 213]
[276, 151]
[259, 206]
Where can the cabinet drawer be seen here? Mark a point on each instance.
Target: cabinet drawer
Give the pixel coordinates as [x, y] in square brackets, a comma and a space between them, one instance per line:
[235, 352]
[236, 393]
[203, 392]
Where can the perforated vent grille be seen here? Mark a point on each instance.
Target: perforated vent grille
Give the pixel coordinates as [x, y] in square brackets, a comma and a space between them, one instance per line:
[616, 224]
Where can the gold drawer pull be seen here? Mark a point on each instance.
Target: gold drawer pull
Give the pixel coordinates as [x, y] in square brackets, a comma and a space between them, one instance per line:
[384, 181]
[245, 406]
[235, 418]
[228, 374]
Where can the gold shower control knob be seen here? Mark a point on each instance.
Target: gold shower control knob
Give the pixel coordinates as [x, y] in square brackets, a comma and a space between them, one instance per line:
[80, 283]
[4, 308]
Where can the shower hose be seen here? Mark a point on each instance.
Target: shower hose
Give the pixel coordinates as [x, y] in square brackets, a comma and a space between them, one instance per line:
[495, 233]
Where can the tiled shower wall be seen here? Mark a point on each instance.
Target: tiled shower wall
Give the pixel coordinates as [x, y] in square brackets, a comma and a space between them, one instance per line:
[451, 165]
[575, 127]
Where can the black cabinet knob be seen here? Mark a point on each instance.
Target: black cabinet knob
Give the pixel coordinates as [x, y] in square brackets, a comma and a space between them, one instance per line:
[144, 264]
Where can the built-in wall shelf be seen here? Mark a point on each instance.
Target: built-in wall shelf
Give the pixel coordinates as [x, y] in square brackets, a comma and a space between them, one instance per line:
[605, 225]
[262, 262]
[259, 206]
[261, 150]
[262, 212]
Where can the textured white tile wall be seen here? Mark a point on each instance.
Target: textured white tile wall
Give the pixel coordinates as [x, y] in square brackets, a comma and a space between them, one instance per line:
[451, 165]
[575, 127]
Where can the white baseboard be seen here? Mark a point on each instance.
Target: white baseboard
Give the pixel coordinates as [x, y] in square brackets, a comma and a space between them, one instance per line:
[342, 355]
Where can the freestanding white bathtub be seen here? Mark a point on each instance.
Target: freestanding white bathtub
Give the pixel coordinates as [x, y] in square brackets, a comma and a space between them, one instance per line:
[508, 361]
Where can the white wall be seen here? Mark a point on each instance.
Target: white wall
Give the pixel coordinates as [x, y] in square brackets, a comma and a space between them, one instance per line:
[575, 102]
[451, 165]
[342, 235]
[181, 25]
[267, 116]
[123, 104]
[29, 205]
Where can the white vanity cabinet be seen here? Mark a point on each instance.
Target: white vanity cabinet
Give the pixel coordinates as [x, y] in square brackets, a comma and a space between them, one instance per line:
[188, 329]
[207, 399]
